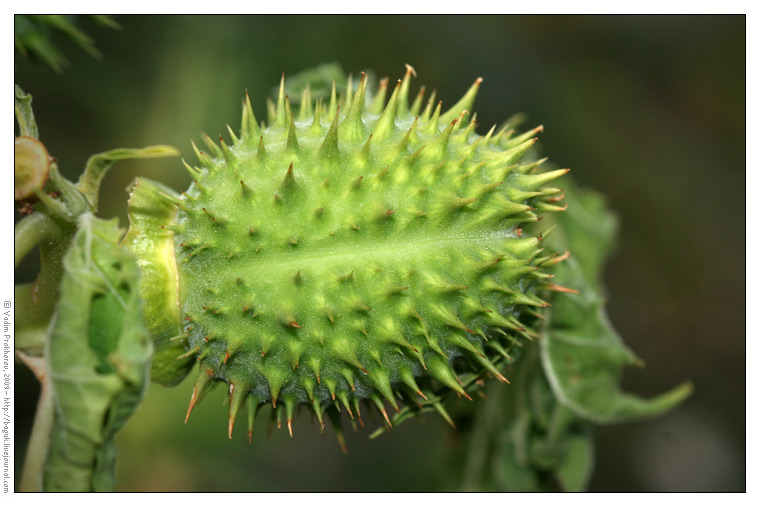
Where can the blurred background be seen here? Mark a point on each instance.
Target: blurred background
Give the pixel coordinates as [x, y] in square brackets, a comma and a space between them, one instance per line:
[649, 110]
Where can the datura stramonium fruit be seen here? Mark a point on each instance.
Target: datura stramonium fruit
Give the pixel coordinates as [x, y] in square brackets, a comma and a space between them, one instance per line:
[355, 250]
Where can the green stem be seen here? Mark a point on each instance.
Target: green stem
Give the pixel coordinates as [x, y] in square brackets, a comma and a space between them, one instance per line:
[30, 232]
[39, 441]
[36, 301]
[39, 300]
[53, 239]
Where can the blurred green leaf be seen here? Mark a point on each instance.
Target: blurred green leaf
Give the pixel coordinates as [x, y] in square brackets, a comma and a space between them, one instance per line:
[511, 466]
[544, 444]
[575, 470]
[319, 80]
[581, 352]
[34, 33]
[98, 358]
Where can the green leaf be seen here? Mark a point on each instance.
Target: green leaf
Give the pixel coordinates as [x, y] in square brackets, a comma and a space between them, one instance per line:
[544, 444]
[22, 104]
[35, 35]
[511, 465]
[319, 80]
[98, 357]
[581, 353]
[32, 38]
[66, 27]
[97, 165]
[105, 20]
[574, 472]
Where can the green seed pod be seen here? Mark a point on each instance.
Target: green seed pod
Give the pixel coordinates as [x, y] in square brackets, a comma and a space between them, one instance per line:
[357, 250]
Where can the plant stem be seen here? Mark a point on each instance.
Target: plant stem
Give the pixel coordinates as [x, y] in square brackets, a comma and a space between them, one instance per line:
[39, 441]
[29, 232]
[37, 300]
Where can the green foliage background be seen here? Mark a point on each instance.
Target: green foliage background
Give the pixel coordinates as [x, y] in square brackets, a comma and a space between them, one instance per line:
[650, 111]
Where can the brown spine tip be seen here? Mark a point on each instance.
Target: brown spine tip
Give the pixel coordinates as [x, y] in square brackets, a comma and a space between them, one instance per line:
[559, 288]
[385, 416]
[294, 324]
[290, 427]
[193, 400]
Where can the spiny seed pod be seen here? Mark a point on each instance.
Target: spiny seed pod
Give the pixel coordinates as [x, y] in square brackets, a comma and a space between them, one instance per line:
[355, 250]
